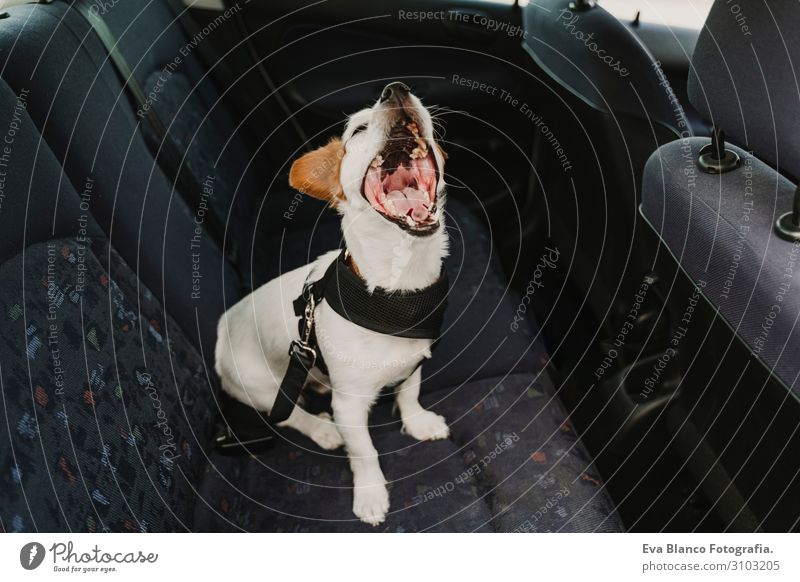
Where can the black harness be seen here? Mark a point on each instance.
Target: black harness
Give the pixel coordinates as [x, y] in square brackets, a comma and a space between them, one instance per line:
[412, 314]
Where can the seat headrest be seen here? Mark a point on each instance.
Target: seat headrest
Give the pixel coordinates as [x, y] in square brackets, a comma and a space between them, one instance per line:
[597, 58]
[745, 77]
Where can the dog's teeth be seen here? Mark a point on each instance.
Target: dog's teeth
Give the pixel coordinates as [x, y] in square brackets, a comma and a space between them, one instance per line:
[377, 162]
[409, 221]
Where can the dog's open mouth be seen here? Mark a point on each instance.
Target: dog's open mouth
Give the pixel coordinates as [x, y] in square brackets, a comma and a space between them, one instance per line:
[401, 181]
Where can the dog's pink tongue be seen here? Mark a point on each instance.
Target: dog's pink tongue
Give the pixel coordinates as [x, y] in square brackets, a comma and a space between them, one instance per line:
[398, 179]
[410, 200]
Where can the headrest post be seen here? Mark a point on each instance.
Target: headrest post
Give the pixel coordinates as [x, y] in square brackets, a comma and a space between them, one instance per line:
[788, 225]
[717, 143]
[714, 158]
[796, 208]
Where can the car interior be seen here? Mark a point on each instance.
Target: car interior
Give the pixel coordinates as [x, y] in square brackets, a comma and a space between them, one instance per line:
[620, 350]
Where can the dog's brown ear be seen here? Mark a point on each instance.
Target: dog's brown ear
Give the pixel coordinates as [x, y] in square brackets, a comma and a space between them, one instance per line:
[317, 172]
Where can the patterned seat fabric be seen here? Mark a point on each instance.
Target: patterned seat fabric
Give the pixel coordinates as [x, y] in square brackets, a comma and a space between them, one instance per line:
[100, 438]
[535, 474]
[113, 432]
[514, 464]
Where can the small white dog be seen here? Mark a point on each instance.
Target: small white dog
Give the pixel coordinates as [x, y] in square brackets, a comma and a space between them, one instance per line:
[384, 176]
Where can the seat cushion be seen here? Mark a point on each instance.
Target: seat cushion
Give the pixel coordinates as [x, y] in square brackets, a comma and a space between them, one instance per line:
[529, 465]
[720, 230]
[297, 487]
[478, 339]
[101, 430]
[512, 464]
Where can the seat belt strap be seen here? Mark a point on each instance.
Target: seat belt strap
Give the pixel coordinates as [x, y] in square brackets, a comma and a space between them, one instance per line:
[167, 153]
[217, 67]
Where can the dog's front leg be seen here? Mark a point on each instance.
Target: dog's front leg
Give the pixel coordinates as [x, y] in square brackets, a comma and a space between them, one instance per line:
[421, 424]
[370, 497]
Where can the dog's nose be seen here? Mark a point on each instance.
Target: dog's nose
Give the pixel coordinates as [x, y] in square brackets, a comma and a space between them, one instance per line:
[396, 91]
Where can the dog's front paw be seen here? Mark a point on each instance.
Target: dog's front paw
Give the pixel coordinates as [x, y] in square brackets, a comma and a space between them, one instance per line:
[325, 433]
[370, 503]
[426, 426]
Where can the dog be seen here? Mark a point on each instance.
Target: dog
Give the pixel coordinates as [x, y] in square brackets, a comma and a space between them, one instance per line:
[384, 176]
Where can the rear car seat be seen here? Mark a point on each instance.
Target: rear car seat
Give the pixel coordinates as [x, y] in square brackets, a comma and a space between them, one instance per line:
[489, 381]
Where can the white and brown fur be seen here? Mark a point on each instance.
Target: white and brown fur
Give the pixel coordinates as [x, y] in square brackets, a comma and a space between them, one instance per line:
[254, 335]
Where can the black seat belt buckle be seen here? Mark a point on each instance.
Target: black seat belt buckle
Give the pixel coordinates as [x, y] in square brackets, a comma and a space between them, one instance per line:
[241, 429]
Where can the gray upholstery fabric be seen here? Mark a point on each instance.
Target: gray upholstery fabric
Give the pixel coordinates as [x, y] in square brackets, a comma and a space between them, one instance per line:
[744, 77]
[719, 228]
